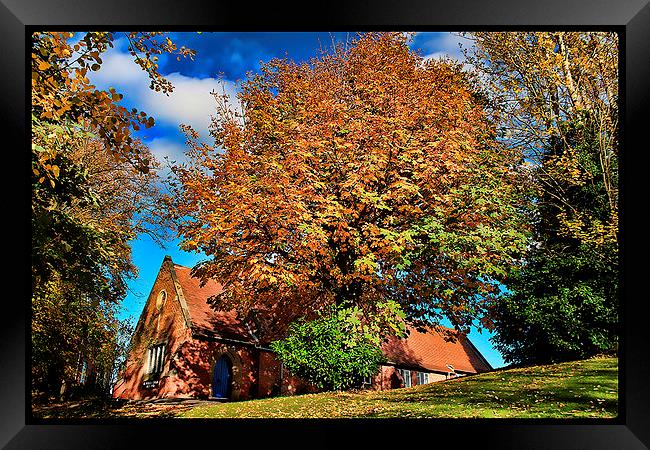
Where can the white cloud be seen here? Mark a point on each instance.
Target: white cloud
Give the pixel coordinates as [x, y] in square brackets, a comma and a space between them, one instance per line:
[118, 69]
[448, 46]
[190, 102]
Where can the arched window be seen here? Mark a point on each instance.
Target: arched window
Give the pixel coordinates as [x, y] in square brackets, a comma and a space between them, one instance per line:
[160, 301]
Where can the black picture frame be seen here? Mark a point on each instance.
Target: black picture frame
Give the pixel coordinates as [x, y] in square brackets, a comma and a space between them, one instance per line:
[631, 429]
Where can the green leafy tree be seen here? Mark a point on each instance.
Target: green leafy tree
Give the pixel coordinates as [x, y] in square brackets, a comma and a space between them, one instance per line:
[340, 347]
[563, 302]
[554, 96]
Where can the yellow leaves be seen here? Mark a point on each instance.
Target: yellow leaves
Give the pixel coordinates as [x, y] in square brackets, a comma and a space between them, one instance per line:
[189, 245]
[43, 65]
[67, 84]
[64, 107]
[586, 228]
[567, 168]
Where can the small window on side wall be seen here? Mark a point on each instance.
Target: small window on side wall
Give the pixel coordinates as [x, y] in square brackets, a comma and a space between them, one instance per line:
[406, 376]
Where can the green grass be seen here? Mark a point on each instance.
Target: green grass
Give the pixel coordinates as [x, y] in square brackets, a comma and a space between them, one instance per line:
[578, 389]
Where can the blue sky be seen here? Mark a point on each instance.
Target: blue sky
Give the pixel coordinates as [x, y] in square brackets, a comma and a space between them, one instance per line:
[232, 55]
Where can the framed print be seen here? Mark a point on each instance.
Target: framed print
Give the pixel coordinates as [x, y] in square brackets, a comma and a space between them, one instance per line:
[347, 197]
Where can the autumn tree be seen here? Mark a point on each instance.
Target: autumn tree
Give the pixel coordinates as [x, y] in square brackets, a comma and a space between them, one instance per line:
[366, 174]
[540, 83]
[93, 190]
[556, 95]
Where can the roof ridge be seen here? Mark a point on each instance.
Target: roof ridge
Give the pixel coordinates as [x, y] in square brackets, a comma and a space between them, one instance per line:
[440, 326]
[180, 296]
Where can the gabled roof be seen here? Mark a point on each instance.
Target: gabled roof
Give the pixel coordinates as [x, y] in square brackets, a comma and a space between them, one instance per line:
[431, 351]
[427, 351]
[203, 318]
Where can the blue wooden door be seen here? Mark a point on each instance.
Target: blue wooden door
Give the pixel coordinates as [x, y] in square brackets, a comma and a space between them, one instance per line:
[221, 378]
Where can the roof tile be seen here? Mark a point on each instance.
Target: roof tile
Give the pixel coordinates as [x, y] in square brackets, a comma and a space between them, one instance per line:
[202, 315]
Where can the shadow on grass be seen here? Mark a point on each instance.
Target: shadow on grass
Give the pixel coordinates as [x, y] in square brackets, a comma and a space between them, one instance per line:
[102, 408]
[74, 409]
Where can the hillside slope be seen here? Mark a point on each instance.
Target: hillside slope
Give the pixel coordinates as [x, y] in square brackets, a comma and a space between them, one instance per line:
[577, 389]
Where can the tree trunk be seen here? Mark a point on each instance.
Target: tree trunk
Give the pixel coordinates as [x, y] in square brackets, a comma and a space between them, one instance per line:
[576, 98]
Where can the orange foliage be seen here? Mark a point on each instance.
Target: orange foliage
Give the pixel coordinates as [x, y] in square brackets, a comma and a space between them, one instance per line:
[349, 177]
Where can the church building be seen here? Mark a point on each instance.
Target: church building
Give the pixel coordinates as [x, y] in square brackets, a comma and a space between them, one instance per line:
[181, 347]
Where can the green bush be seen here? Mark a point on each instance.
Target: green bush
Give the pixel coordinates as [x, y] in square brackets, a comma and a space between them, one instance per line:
[340, 347]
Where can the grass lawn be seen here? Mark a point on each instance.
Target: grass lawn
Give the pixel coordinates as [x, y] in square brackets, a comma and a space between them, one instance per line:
[578, 389]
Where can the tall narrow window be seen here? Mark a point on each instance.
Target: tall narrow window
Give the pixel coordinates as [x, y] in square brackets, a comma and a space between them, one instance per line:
[150, 360]
[156, 359]
[84, 370]
[407, 378]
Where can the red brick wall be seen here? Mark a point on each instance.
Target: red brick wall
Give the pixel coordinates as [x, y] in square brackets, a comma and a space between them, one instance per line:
[274, 380]
[194, 364]
[155, 325]
[256, 374]
[188, 363]
[388, 378]
[269, 375]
